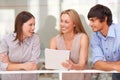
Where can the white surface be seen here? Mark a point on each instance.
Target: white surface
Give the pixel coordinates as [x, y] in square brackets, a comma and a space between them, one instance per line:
[54, 58]
[57, 71]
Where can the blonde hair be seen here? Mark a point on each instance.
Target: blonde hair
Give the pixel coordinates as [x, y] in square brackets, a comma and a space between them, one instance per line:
[76, 20]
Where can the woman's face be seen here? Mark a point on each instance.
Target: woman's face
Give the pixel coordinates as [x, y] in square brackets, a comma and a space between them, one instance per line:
[28, 28]
[66, 24]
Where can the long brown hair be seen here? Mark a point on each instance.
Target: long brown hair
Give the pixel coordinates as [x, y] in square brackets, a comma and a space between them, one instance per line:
[76, 20]
[21, 18]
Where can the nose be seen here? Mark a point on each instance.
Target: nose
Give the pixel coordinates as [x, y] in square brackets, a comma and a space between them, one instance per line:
[33, 27]
[90, 23]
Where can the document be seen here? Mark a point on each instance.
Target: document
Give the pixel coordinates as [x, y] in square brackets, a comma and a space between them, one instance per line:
[54, 58]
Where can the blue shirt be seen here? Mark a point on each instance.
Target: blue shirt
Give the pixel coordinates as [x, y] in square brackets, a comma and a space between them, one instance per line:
[106, 48]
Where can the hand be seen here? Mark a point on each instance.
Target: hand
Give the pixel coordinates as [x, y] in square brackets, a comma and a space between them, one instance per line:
[116, 67]
[68, 64]
[30, 66]
[4, 58]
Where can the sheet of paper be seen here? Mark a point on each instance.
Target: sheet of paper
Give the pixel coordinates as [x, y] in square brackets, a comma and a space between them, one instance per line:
[54, 58]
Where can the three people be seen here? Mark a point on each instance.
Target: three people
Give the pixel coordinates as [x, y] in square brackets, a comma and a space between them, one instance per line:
[74, 38]
[105, 43]
[21, 49]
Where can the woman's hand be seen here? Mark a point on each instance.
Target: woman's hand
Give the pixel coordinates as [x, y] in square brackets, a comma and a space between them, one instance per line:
[68, 64]
[30, 66]
[4, 58]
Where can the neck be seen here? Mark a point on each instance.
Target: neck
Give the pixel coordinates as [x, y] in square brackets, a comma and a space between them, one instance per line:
[68, 37]
[104, 31]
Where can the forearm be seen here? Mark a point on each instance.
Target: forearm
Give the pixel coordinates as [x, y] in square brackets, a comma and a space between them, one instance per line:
[106, 66]
[15, 66]
[79, 66]
[22, 66]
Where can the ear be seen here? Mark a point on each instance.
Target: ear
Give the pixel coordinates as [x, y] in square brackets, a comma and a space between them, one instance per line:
[106, 19]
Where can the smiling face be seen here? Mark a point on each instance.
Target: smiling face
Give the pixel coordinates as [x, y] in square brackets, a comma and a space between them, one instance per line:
[95, 24]
[28, 28]
[66, 24]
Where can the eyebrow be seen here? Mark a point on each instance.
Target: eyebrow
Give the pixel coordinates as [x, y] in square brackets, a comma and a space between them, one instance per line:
[93, 18]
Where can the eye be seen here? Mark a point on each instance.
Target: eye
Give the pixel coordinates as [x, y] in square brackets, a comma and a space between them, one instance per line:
[66, 22]
[31, 24]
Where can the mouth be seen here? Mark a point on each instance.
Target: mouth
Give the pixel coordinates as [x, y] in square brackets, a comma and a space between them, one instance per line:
[31, 32]
[63, 28]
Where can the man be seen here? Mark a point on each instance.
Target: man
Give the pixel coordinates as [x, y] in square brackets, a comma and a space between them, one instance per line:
[105, 42]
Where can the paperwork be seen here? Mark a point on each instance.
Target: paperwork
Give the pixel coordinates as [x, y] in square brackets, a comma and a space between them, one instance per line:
[54, 58]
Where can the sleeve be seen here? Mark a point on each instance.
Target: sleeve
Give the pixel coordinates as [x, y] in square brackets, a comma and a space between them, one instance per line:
[36, 50]
[3, 49]
[97, 52]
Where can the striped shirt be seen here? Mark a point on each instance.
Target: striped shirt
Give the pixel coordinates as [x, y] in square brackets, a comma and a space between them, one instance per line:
[28, 51]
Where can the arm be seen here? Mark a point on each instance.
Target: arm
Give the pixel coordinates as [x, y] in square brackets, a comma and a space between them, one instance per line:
[107, 66]
[21, 66]
[35, 57]
[99, 60]
[16, 65]
[84, 43]
[53, 43]
[30, 65]
[3, 49]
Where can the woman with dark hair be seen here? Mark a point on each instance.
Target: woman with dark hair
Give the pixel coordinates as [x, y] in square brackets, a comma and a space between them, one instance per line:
[21, 49]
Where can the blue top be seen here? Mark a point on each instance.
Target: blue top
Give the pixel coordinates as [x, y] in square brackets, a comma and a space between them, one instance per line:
[106, 48]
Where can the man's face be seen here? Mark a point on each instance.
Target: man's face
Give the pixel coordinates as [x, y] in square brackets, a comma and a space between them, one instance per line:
[95, 24]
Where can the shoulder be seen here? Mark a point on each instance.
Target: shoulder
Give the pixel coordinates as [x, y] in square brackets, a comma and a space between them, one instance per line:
[9, 37]
[84, 36]
[95, 36]
[115, 26]
[53, 42]
[53, 39]
[35, 37]
[115, 29]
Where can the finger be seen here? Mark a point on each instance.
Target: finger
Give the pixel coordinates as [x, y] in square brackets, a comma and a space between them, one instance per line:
[5, 55]
[70, 62]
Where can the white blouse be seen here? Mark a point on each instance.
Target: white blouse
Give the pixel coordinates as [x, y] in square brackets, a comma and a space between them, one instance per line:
[28, 51]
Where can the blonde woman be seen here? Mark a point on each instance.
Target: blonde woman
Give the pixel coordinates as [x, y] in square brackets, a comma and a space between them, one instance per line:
[74, 38]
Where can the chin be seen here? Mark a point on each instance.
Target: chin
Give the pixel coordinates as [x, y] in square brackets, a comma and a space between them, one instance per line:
[94, 30]
[64, 32]
[30, 35]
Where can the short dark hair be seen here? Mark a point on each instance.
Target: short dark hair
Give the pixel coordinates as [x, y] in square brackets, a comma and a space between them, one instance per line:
[101, 12]
[21, 18]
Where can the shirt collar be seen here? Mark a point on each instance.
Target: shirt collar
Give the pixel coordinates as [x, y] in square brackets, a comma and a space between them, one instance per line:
[26, 41]
[111, 32]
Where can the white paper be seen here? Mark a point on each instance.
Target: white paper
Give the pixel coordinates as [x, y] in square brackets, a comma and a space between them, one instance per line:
[54, 58]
